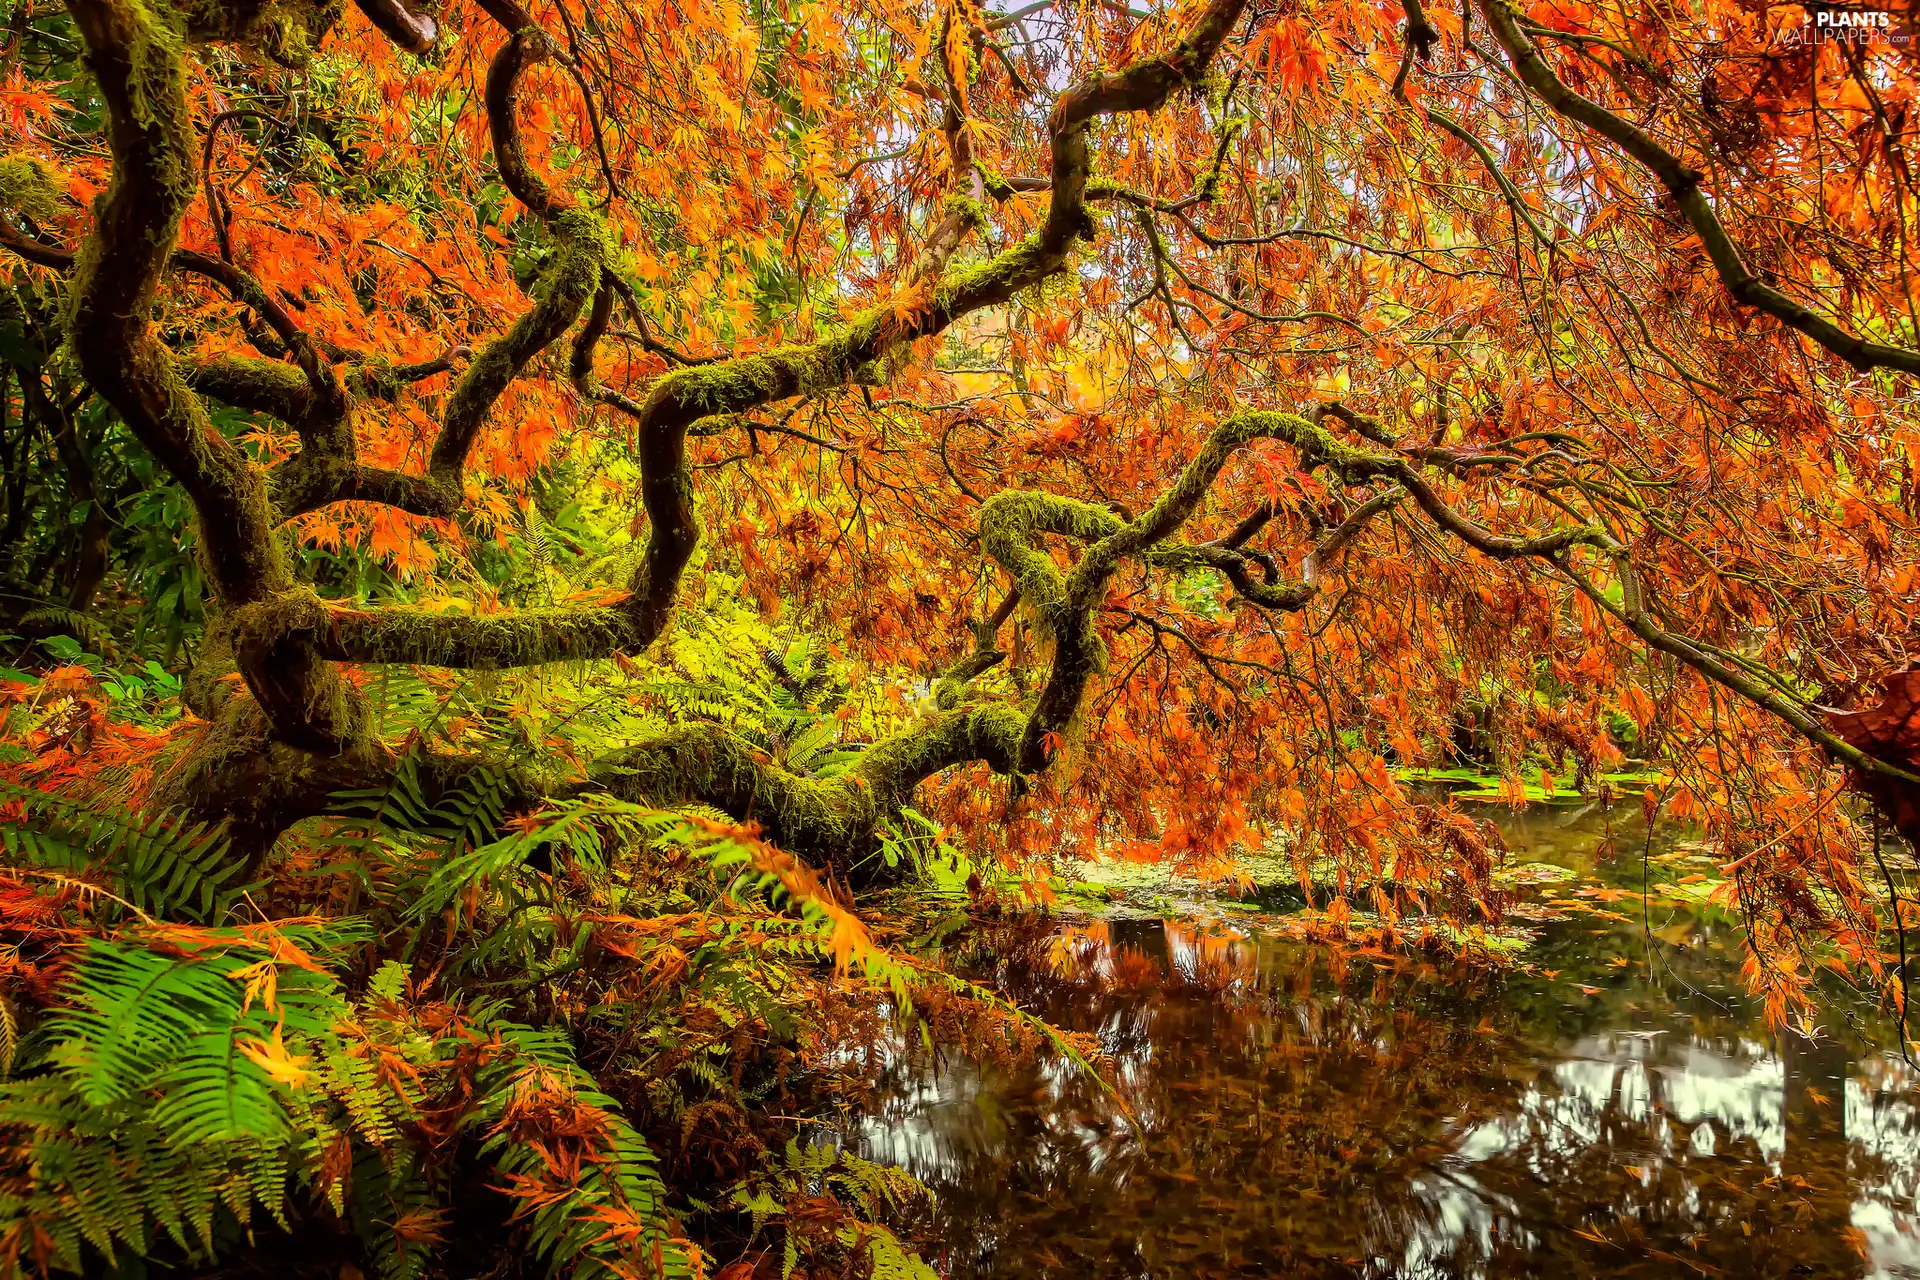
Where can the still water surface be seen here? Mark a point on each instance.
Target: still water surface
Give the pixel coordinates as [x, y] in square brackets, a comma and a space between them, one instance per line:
[1622, 1111]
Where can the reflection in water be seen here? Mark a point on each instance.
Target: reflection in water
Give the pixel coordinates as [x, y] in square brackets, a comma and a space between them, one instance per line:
[1621, 1113]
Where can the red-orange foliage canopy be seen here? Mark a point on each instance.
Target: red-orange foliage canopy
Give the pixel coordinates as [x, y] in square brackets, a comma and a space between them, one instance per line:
[1213, 403]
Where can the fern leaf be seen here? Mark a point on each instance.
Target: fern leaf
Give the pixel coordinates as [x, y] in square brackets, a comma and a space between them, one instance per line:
[164, 866]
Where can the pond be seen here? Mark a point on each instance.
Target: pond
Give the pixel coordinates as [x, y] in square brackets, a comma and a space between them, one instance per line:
[1618, 1109]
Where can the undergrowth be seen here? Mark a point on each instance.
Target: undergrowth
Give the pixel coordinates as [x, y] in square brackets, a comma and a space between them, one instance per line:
[438, 1037]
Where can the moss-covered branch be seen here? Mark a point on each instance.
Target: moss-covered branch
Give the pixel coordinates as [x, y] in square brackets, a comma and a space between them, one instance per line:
[1065, 604]
[324, 422]
[253, 383]
[744, 383]
[582, 247]
[825, 818]
[308, 395]
[951, 687]
[734, 386]
[134, 53]
[488, 642]
[323, 479]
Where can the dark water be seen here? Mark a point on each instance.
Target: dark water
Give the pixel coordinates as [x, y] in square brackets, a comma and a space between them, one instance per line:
[1622, 1112]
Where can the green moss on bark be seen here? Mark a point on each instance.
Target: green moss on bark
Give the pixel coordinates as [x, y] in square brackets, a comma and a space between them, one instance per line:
[998, 278]
[583, 245]
[395, 635]
[27, 186]
[832, 819]
[970, 211]
[254, 383]
[1012, 520]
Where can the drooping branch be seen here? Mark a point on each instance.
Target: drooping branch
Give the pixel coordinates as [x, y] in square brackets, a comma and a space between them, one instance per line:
[832, 817]
[582, 247]
[1343, 534]
[1883, 777]
[320, 406]
[709, 765]
[566, 285]
[1683, 184]
[734, 386]
[1632, 613]
[263, 384]
[1012, 520]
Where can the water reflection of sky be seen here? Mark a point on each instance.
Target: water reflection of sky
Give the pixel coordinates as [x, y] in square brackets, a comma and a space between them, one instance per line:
[1715, 1097]
[1668, 1111]
[1297, 1124]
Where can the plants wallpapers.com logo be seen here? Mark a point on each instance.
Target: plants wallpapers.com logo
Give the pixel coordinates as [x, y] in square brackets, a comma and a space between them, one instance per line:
[1820, 25]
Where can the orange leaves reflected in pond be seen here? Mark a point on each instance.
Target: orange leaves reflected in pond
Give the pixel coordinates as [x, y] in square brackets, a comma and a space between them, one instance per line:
[1312, 1111]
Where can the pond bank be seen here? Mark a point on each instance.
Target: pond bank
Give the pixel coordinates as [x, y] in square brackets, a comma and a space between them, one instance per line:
[1611, 1106]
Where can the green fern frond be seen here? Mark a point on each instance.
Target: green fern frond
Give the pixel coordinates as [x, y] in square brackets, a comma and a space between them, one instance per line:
[144, 1023]
[375, 1113]
[466, 814]
[165, 866]
[390, 1196]
[158, 1115]
[56, 619]
[584, 828]
[886, 1256]
[9, 1037]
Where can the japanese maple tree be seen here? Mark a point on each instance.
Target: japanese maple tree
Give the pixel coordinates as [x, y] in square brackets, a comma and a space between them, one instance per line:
[1188, 412]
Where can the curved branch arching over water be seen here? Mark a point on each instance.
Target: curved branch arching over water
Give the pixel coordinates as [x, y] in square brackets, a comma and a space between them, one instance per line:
[298, 732]
[302, 719]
